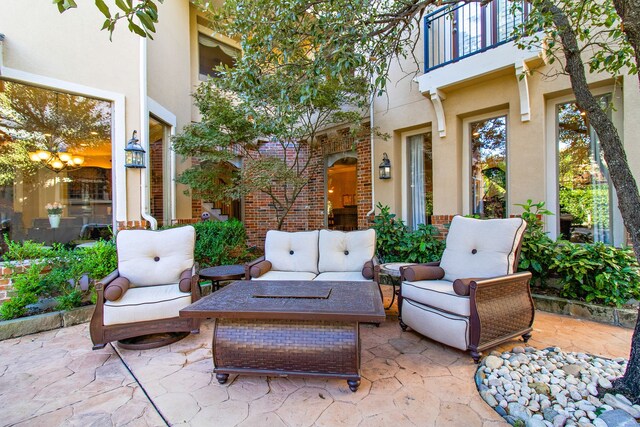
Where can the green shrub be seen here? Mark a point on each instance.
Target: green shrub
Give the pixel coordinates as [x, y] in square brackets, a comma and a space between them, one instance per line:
[396, 243]
[62, 280]
[537, 247]
[597, 272]
[21, 251]
[28, 288]
[221, 243]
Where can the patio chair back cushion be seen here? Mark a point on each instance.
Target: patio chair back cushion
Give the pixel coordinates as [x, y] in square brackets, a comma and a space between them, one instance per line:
[297, 251]
[151, 258]
[481, 248]
[345, 251]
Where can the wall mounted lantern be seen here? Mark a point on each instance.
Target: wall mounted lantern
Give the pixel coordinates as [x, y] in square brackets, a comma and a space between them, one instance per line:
[385, 167]
[134, 153]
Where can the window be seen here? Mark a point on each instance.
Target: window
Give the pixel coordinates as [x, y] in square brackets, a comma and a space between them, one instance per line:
[488, 178]
[584, 193]
[420, 179]
[54, 147]
[212, 54]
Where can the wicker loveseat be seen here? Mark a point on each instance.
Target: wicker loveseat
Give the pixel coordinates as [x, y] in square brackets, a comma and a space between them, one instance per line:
[472, 299]
[155, 279]
[326, 255]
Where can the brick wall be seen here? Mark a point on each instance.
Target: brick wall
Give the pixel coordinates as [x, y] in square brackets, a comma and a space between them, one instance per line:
[309, 211]
[133, 225]
[441, 222]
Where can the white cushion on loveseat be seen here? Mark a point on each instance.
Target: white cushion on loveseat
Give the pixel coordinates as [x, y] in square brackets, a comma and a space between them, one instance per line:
[345, 251]
[150, 258]
[296, 251]
[286, 275]
[341, 276]
[146, 303]
[481, 248]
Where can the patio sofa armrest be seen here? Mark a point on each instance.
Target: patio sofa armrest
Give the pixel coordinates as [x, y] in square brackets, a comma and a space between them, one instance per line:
[501, 307]
[247, 267]
[195, 283]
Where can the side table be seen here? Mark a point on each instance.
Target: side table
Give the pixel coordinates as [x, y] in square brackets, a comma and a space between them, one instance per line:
[222, 273]
[392, 269]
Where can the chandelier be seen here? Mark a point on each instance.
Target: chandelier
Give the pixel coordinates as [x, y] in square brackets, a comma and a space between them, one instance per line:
[56, 156]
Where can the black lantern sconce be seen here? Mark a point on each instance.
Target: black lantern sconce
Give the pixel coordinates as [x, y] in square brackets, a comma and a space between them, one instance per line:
[385, 167]
[134, 153]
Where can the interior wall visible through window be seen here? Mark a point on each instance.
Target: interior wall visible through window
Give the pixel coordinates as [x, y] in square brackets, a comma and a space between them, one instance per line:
[55, 165]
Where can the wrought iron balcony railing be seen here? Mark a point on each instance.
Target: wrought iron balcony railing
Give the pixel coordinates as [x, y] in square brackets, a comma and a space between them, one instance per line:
[456, 32]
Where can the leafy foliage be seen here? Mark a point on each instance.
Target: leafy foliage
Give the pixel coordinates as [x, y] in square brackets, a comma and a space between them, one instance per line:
[397, 243]
[593, 272]
[62, 277]
[221, 243]
[597, 272]
[537, 246]
[141, 17]
[272, 126]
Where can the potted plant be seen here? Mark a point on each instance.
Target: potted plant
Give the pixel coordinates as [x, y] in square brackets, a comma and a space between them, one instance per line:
[54, 210]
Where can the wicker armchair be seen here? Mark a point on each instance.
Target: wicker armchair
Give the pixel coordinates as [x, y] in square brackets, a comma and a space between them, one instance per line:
[155, 279]
[472, 299]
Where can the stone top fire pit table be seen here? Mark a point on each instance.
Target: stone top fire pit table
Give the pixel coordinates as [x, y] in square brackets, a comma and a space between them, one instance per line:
[284, 328]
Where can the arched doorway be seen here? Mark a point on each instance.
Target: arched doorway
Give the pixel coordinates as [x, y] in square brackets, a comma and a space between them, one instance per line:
[342, 204]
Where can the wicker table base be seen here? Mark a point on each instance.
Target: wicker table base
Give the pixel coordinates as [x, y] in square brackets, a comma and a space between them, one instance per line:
[284, 328]
[287, 347]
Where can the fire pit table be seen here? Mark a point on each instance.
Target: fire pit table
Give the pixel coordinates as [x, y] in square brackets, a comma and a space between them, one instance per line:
[289, 327]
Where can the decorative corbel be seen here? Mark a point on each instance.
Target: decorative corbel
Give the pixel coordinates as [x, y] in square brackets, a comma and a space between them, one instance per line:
[437, 96]
[522, 74]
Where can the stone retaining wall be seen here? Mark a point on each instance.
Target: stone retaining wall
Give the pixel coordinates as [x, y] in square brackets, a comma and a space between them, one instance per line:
[625, 317]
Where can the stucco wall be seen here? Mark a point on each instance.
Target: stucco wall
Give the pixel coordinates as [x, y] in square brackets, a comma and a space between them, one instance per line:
[404, 109]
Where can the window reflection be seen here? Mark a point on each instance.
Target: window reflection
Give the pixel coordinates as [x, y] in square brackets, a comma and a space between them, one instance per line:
[584, 190]
[41, 133]
[489, 167]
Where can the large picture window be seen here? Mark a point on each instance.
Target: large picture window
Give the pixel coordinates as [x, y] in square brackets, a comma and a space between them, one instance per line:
[55, 148]
[584, 192]
[488, 178]
[420, 179]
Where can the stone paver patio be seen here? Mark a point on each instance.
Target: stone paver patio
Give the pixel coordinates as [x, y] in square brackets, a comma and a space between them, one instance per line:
[54, 378]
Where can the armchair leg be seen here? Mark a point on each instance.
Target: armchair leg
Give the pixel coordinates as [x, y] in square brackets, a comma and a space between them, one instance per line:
[526, 337]
[476, 356]
[98, 346]
[402, 325]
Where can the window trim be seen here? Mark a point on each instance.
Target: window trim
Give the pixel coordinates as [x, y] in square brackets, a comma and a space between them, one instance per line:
[404, 180]
[466, 158]
[552, 202]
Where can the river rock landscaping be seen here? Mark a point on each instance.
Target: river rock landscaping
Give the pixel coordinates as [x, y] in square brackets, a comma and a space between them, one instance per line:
[538, 388]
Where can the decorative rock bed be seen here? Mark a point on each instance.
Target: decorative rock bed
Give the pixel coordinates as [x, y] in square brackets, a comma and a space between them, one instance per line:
[538, 388]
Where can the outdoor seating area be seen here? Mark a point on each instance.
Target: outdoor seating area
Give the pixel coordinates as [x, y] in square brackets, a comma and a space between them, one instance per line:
[54, 378]
[335, 213]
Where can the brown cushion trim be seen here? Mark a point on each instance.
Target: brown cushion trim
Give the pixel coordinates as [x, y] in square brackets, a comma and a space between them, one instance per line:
[367, 270]
[461, 286]
[185, 281]
[260, 268]
[116, 289]
[423, 272]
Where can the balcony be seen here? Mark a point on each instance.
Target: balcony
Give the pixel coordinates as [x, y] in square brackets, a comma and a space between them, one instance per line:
[456, 32]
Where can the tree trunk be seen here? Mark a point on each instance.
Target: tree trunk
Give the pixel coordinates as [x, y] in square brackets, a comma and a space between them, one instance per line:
[619, 171]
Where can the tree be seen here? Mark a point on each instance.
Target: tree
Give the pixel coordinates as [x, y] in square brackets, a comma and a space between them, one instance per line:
[271, 127]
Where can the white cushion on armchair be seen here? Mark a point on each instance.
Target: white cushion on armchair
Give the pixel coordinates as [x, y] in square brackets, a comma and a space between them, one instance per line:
[345, 251]
[151, 258]
[481, 248]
